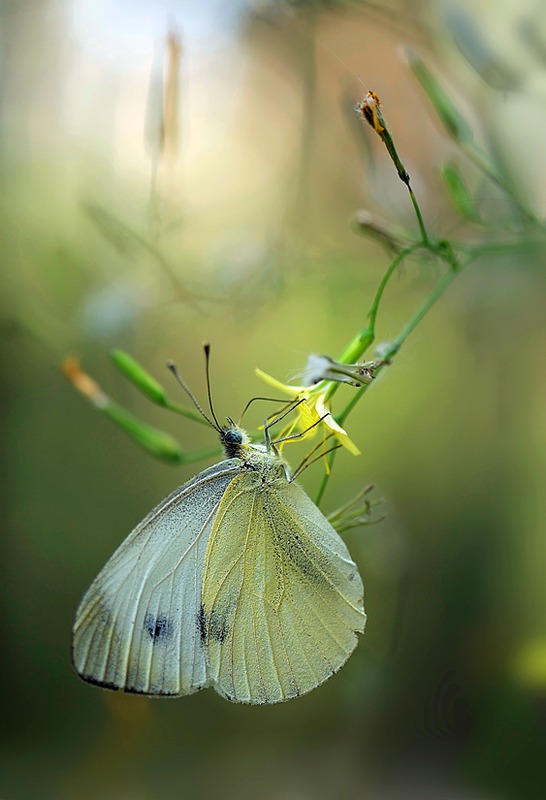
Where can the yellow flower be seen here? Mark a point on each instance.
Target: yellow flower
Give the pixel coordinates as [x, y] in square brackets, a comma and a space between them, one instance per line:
[312, 408]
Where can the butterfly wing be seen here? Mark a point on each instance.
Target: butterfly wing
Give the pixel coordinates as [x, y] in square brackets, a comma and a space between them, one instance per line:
[137, 627]
[282, 598]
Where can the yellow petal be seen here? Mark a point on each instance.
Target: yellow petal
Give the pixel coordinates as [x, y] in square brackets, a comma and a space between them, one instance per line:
[349, 445]
[307, 417]
[293, 391]
[341, 434]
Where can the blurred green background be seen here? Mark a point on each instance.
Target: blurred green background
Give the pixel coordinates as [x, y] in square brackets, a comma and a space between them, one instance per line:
[228, 219]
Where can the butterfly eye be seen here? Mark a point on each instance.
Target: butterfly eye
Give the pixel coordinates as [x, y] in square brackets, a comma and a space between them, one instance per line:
[232, 437]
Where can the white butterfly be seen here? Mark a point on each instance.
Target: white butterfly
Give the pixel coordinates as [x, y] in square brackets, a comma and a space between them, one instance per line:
[235, 581]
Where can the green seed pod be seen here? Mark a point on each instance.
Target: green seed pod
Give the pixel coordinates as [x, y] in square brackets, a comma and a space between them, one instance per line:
[157, 442]
[138, 376]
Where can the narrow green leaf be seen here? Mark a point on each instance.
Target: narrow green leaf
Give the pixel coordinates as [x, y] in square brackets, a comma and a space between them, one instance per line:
[480, 53]
[459, 193]
[450, 116]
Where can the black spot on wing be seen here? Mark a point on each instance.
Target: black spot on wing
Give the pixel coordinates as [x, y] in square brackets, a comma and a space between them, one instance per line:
[159, 629]
[301, 559]
[218, 626]
[201, 621]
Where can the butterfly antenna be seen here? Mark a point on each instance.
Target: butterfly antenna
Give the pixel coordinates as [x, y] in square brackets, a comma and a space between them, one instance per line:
[269, 399]
[206, 348]
[286, 411]
[173, 368]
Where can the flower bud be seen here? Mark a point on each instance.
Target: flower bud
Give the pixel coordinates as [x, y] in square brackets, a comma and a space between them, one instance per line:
[323, 368]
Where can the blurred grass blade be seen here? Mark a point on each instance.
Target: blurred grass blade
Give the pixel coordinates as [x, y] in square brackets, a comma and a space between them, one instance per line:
[161, 129]
[154, 124]
[116, 232]
[451, 118]
[171, 110]
[366, 224]
[533, 36]
[460, 130]
[459, 193]
[156, 442]
[139, 377]
[471, 41]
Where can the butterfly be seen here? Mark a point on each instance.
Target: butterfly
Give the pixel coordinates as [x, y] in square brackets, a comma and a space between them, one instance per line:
[235, 581]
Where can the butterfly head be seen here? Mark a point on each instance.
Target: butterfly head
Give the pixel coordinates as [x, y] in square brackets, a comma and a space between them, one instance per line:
[234, 440]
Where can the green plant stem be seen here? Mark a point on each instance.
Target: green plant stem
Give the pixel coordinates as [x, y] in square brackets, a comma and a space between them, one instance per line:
[397, 343]
[422, 311]
[491, 248]
[325, 478]
[394, 347]
[482, 163]
[424, 234]
[391, 269]
[358, 346]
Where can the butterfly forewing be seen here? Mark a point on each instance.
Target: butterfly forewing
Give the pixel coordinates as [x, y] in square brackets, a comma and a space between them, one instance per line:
[282, 598]
[137, 627]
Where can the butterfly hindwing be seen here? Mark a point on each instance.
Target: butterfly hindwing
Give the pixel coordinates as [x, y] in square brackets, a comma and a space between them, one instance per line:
[137, 627]
[282, 598]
